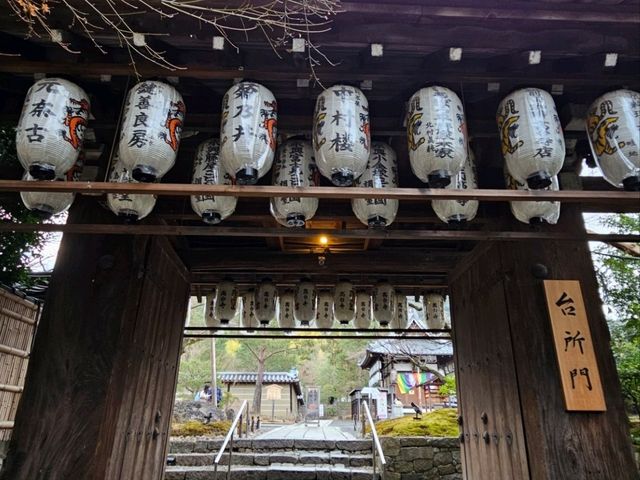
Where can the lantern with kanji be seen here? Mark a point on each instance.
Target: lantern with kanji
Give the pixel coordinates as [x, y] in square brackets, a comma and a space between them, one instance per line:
[344, 302]
[210, 319]
[459, 211]
[534, 213]
[436, 135]
[381, 172]
[384, 303]
[324, 316]
[341, 134]
[248, 131]
[208, 170]
[51, 128]
[265, 301]
[285, 315]
[613, 126]
[531, 137]
[248, 319]
[305, 302]
[363, 310]
[226, 304]
[433, 304]
[294, 167]
[401, 315]
[128, 206]
[46, 204]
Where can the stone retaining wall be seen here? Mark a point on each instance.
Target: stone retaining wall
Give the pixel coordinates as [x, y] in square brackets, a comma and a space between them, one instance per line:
[422, 458]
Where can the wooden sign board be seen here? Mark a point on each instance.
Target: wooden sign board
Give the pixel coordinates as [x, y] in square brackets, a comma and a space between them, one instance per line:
[574, 347]
[273, 392]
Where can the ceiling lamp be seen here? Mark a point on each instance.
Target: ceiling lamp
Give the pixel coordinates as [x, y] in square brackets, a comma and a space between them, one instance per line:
[531, 137]
[208, 170]
[436, 135]
[248, 131]
[51, 128]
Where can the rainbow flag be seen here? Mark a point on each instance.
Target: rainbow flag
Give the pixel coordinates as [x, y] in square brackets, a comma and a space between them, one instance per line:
[409, 381]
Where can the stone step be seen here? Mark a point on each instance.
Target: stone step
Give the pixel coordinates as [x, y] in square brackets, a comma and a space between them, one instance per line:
[249, 445]
[281, 471]
[298, 457]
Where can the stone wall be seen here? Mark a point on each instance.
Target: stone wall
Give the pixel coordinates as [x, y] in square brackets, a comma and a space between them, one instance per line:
[422, 458]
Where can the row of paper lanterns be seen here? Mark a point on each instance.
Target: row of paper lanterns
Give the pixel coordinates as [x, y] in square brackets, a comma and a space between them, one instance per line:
[307, 306]
[55, 114]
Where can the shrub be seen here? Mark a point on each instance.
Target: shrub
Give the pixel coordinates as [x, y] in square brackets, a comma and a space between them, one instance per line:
[195, 428]
[440, 423]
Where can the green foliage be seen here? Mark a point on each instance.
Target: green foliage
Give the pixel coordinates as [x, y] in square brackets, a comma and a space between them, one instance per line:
[449, 387]
[195, 428]
[439, 423]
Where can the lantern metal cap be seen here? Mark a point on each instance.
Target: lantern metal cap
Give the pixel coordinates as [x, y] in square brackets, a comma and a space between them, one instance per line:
[438, 179]
[42, 172]
[144, 174]
[44, 212]
[377, 222]
[304, 323]
[632, 184]
[537, 221]
[457, 221]
[224, 321]
[211, 218]
[247, 176]
[296, 220]
[539, 180]
[341, 179]
[128, 217]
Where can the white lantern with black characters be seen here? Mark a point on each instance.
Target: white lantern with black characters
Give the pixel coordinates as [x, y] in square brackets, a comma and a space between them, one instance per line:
[324, 316]
[363, 310]
[613, 127]
[210, 319]
[436, 135]
[341, 134]
[344, 302]
[401, 315]
[531, 137]
[384, 303]
[51, 128]
[226, 305]
[248, 319]
[248, 131]
[208, 170]
[459, 211]
[381, 172]
[305, 302]
[128, 206]
[295, 167]
[285, 316]
[46, 204]
[534, 213]
[433, 304]
[265, 302]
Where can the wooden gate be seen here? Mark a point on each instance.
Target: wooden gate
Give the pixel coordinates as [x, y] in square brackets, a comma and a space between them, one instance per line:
[18, 318]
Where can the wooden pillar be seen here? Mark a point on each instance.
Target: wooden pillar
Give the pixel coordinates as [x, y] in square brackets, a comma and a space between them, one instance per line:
[513, 415]
[101, 379]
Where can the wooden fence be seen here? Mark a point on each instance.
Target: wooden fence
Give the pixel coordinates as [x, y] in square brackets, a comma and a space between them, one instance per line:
[18, 320]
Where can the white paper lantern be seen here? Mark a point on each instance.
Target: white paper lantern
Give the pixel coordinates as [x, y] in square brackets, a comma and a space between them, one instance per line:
[210, 319]
[266, 301]
[613, 126]
[401, 314]
[384, 303]
[459, 211]
[129, 206]
[248, 319]
[344, 302]
[295, 167]
[226, 305]
[433, 304]
[248, 131]
[436, 135]
[381, 172]
[208, 170]
[363, 310]
[46, 204]
[324, 317]
[285, 316]
[531, 137]
[341, 134]
[534, 213]
[305, 303]
[51, 128]
[151, 129]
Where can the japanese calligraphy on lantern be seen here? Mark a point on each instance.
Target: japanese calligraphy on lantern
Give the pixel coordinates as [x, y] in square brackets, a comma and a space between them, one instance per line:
[574, 347]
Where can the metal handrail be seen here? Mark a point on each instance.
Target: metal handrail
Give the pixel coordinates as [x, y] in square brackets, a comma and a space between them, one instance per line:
[377, 446]
[229, 438]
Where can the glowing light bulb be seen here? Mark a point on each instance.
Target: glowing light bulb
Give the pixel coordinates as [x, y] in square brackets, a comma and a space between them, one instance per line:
[324, 240]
